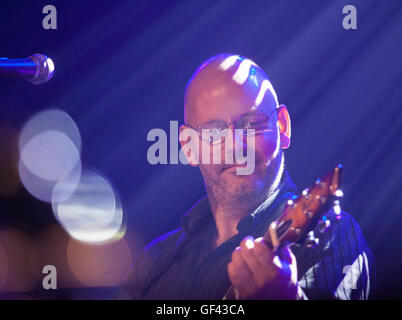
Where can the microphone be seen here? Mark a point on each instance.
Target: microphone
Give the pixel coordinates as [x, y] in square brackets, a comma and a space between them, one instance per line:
[37, 68]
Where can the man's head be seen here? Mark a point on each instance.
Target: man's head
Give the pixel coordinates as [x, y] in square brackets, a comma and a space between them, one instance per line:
[227, 88]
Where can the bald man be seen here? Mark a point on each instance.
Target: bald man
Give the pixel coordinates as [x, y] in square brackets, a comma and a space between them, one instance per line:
[231, 108]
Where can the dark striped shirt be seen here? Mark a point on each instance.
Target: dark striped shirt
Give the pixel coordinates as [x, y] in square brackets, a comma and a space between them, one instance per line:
[182, 264]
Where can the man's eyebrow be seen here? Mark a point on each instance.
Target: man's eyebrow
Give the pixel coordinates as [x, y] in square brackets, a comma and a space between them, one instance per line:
[209, 121]
[213, 120]
[251, 113]
[248, 113]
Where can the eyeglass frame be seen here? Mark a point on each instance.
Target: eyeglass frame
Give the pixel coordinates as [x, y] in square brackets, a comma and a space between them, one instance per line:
[199, 129]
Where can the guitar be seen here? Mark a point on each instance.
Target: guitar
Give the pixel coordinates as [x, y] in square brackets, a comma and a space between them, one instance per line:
[302, 214]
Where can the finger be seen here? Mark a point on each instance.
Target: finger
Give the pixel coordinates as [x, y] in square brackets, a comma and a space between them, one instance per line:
[263, 253]
[240, 274]
[242, 286]
[234, 279]
[250, 257]
[240, 266]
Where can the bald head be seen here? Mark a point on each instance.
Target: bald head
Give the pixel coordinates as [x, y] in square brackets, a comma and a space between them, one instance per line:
[228, 88]
[225, 86]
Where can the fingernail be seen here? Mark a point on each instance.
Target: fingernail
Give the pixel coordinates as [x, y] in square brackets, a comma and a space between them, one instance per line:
[249, 243]
[260, 239]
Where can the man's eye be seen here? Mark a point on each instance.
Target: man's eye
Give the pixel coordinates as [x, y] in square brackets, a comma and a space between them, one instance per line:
[216, 135]
[212, 135]
[254, 124]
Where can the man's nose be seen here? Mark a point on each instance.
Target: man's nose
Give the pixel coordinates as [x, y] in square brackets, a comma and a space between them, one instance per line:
[235, 140]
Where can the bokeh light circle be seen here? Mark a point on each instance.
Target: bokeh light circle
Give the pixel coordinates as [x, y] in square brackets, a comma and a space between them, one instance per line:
[43, 189]
[92, 213]
[50, 152]
[50, 155]
[99, 265]
[52, 119]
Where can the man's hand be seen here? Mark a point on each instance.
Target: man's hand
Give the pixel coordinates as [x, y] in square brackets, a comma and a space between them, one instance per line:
[257, 273]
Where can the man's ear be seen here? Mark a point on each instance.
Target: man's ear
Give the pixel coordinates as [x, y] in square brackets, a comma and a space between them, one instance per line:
[284, 126]
[189, 142]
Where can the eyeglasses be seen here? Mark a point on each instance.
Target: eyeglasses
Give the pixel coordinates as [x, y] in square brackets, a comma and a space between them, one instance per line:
[214, 132]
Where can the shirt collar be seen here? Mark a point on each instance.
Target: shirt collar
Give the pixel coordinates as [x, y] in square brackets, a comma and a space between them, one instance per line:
[198, 217]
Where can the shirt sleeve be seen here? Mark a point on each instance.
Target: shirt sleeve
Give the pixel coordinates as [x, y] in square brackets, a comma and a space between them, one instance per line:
[341, 266]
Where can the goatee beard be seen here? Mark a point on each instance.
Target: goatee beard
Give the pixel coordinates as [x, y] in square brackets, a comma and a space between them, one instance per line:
[251, 198]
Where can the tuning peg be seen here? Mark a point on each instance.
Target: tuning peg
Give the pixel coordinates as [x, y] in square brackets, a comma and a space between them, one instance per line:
[306, 193]
[324, 224]
[339, 193]
[291, 203]
[311, 240]
[337, 210]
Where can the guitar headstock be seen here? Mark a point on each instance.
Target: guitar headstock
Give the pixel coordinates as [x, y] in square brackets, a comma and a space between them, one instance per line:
[302, 213]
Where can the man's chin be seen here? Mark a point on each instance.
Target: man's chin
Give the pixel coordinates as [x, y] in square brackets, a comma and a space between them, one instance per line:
[239, 192]
[231, 181]
[239, 170]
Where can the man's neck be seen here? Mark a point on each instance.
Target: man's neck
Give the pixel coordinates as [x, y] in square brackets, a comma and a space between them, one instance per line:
[228, 217]
[226, 220]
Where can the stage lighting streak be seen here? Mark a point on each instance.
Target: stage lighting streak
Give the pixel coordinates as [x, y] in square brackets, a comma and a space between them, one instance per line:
[50, 155]
[265, 85]
[228, 62]
[92, 213]
[99, 265]
[243, 71]
[52, 119]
